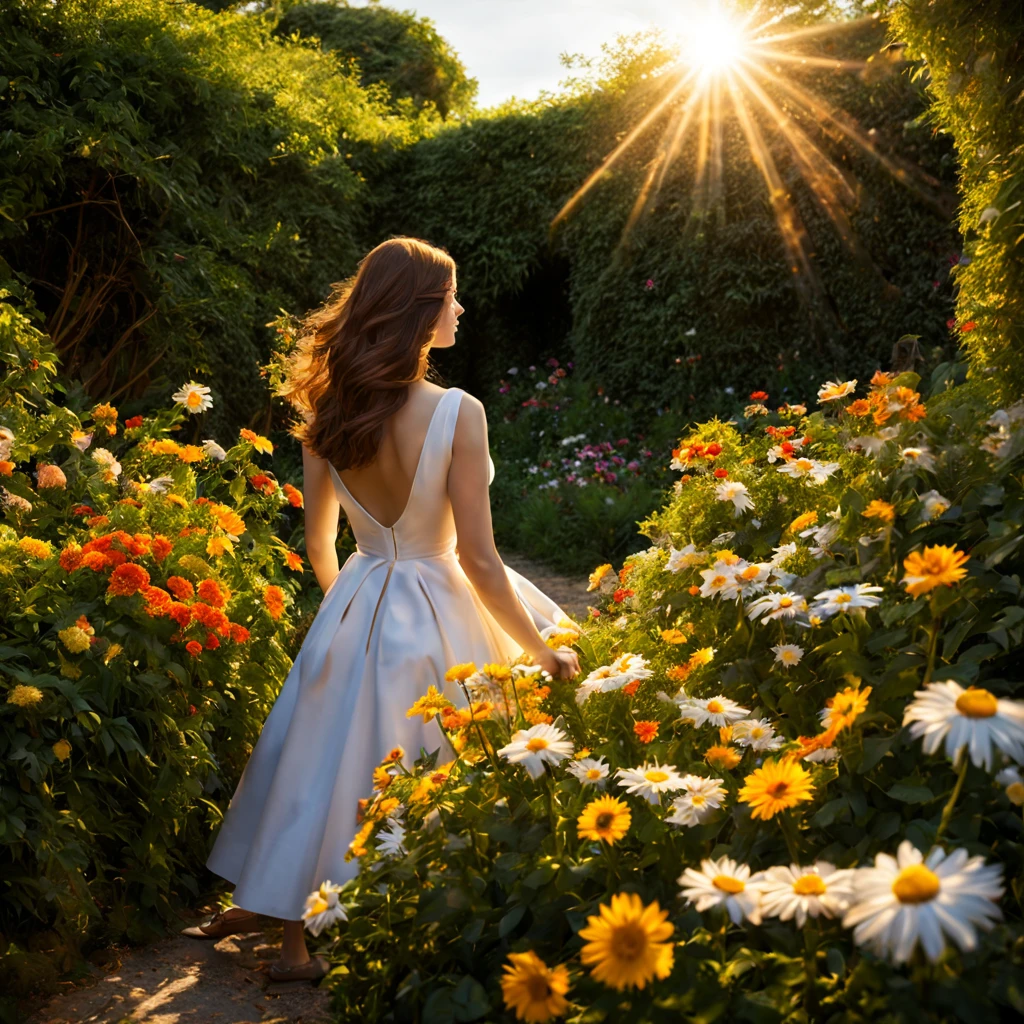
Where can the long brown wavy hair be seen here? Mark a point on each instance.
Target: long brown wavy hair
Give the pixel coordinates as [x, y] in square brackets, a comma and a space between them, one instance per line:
[358, 353]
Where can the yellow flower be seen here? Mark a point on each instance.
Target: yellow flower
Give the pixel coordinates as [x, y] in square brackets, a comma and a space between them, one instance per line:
[878, 509]
[933, 567]
[75, 639]
[430, 705]
[34, 548]
[722, 757]
[802, 522]
[535, 991]
[357, 848]
[61, 750]
[725, 556]
[260, 443]
[700, 657]
[673, 636]
[68, 669]
[382, 778]
[776, 786]
[605, 819]
[556, 640]
[176, 499]
[192, 453]
[627, 942]
[597, 575]
[165, 446]
[846, 707]
[220, 546]
[384, 806]
[25, 696]
[497, 671]
[457, 673]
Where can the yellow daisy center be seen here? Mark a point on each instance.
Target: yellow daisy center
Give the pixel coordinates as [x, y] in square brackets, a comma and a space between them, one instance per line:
[698, 800]
[319, 906]
[537, 743]
[805, 464]
[976, 703]
[916, 884]
[728, 884]
[194, 399]
[786, 602]
[719, 581]
[843, 599]
[629, 941]
[715, 707]
[750, 573]
[656, 776]
[604, 820]
[777, 790]
[809, 885]
[538, 988]
[593, 773]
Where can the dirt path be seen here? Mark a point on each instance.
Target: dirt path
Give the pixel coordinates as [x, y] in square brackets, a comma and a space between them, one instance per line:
[184, 981]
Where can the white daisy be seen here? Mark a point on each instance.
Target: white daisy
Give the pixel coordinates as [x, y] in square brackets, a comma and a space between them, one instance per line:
[785, 605]
[734, 491]
[844, 599]
[1012, 779]
[700, 799]
[717, 580]
[717, 711]
[626, 668]
[323, 908]
[725, 883]
[971, 718]
[920, 457]
[934, 504]
[790, 891]
[788, 655]
[822, 755]
[534, 747]
[111, 467]
[906, 899]
[816, 472]
[746, 579]
[686, 558]
[214, 450]
[590, 771]
[650, 780]
[757, 733]
[195, 398]
[390, 841]
[781, 553]
[160, 484]
[822, 536]
[830, 391]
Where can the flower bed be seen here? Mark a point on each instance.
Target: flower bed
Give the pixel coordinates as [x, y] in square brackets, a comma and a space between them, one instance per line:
[144, 602]
[789, 784]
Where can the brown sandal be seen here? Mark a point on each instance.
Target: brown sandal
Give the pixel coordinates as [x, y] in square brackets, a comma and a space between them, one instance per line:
[219, 925]
[314, 969]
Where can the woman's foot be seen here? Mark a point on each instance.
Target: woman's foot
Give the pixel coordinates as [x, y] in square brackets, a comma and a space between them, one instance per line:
[226, 922]
[309, 970]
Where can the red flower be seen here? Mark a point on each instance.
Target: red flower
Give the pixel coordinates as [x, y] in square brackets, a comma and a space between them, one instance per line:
[263, 483]
[622, 593]
[646, 731]
[82, 510]
[135, 421]
[212, 643]
[127, 579]
[759, 396]
[967, 327]
[239, 633]
[194, 647]
[712, 450]
[192, 708]
[721, 474]
[180, 613]
[180, 588]
[212, 593]
[293, 494]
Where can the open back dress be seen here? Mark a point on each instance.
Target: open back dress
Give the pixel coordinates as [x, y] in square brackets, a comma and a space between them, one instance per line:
[399, 613]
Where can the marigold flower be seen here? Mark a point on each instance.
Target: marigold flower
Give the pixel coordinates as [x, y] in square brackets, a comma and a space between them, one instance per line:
[936, 566]
[263, 483]
[24, 696]
[678, 673]
[194, 648]
[161, 547]
[180, 613]
[622, 593]
[229, 520]
[158, 601]
[459, 673]
[95, 560]
[6, 467]
[239, 634]
[721, 474]
[802, 522]
[35, 548]
[673, 636]
[273, 599]
[133, 422]
[722, 757]
[61, 750]
[260, 443]
[878, 509]
[213, 593]
[293, 561]
[71, 557]
[630, 688]
[430, 705]
[75, 639]
[212, 642]
[190, 453]
[647, 732]
[181, 588]
[293, 494]
[776, 786]
[127, 579]
[105, 415]
[859, 407]
[533, 990]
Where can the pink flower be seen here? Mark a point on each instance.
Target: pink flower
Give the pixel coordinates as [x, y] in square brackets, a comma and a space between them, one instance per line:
[650, 283]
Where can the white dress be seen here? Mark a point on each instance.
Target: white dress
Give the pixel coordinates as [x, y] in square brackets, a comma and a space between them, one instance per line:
[399, 613]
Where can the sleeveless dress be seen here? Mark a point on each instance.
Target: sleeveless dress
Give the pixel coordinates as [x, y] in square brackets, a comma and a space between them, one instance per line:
[399, 613]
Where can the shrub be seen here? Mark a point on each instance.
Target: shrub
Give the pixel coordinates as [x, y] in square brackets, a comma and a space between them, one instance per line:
[813, 664]
[144, 633]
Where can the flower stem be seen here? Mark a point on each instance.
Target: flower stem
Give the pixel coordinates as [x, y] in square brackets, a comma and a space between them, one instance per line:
[947, 811]
[789, 834]
[933, 647]
[811, 937]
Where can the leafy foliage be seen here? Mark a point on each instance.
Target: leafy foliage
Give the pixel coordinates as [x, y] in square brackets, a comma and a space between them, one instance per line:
[491, 859]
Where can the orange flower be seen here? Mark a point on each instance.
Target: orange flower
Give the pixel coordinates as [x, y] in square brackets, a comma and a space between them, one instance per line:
[239, 634]
[878, 509]
[105, 415]
[162, 547]
[293, 561]
[194, 648]
[212, 643]
[180, 613]
[622, 593]
[673, 636]
[211, 618]
[229, 520]
[678, 673]
[630, 688]
[263, 483]
[95, 560]
[165, 446]
[6, 468]
[260, 443]
[71, 557]
[158, 602]
[273, 599]
[693, 591]
[293, 494]
[939, 565]
[190, 453]
[721, 474]
[127, 579]
[722, 757]
[180, 588]
[647, 732]
[213, 594]
[97, 521]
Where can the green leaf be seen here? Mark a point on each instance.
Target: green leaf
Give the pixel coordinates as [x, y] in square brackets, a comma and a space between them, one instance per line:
[508, 923]
[438, 1009]
[469, 1000]
[911, 794]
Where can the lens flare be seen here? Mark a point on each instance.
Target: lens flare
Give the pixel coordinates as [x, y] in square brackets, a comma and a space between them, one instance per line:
[714, 43]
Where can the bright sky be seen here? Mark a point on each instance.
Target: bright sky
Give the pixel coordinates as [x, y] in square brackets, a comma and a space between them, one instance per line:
[511, 47]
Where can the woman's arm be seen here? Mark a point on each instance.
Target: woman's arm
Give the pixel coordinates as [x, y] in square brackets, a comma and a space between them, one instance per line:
[468, 480]
[322, 508]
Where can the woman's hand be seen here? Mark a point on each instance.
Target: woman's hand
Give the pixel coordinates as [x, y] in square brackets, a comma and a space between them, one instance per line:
[560, 664]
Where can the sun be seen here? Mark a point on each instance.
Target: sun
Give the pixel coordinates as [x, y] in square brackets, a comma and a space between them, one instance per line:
[713, 43]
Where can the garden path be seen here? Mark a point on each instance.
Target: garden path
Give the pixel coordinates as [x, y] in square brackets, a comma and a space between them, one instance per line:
[178, 980]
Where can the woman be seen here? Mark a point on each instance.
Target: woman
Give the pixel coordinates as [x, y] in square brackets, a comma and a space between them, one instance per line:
[407, 461]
